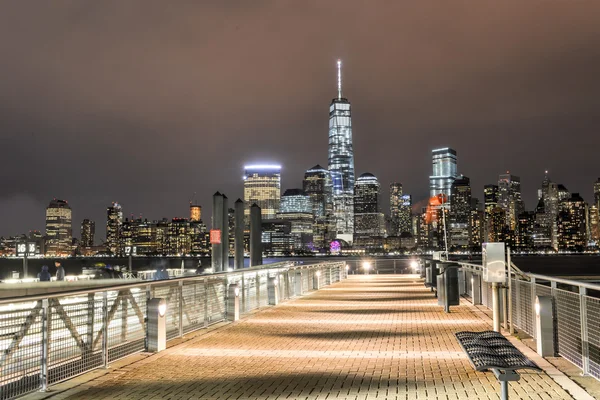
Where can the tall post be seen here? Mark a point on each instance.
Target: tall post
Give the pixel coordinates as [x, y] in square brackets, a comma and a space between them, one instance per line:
[496, 306]
[238, 261]
[585, 345]
[25, 266]
[45, 339]
[255, 236]
[217, 224]
[510, 289]
[225, 234]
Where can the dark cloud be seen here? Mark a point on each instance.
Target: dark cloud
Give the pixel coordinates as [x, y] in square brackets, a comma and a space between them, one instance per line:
[147, 102]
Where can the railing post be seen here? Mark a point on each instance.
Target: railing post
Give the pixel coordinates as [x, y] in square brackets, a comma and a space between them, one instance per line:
[509, 295]
[532, 310]
[105, 329]
[243, 289]
[519, 322]
[206, 302]
[90, 321]
[180, 295]
[257, 283]
[148, 297]
[123, 317]
[585, 348]
[45, 340]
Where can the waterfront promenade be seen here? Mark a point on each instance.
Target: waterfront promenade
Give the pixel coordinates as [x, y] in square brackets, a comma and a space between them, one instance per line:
[367, 337]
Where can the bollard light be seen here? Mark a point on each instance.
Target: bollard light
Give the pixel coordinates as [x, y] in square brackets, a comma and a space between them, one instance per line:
[544, 321]
[347, 267]
[366, 265]
[318, 273]
[233, 303]
[414, 265]
[157, 326]
[272, 291]
[162, 308]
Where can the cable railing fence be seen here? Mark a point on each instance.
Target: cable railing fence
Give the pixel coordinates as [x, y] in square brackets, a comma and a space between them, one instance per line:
[49, 338]
[576, 309]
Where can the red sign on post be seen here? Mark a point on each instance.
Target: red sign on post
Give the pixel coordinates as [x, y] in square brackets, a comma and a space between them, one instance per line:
[215, 236]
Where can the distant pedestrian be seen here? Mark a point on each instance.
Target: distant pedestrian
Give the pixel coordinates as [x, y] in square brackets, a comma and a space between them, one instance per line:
[44, 276]
[200, 269]
[60, 271]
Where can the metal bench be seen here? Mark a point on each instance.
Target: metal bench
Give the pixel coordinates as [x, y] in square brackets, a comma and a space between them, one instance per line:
[490, 350]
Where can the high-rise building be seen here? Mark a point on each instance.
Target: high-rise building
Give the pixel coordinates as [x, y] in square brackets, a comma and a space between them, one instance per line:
[341, 163]
[524, 235]
[477, 224]
[296, 207]
[563, 193]
[490, 201]
[317, 185]
[395, 201]
[368, 219]
[405, 223]
[295, 201]
[550, 197]
[262, 186]
[195, 213]
[594, 224]
[88, 231]
[59, 229]
[597, 193]
[114, 224]
[497, 225]
[444, 172]
[459, 227]
[509, 198]
[542, 232]
[572, 217]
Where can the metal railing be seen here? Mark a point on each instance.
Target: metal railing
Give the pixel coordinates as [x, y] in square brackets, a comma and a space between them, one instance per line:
[576, 312]
[49, 338]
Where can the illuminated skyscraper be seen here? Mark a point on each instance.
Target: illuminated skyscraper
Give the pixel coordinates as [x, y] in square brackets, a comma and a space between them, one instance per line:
[296, 207]
[114, 224]
[549, 195]
[368, 219]
[262, 186]
[459, 226]
[317, 185]
[597, 193]
[88, 231]
[395, 200]
[405, 221]
[341, 163]
[59, 230]
[444, 172]
[490, 199]
[509, 198]
[195, 213]
[572, 232]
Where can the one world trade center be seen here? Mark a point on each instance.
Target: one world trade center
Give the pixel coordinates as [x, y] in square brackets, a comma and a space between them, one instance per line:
[341, 163]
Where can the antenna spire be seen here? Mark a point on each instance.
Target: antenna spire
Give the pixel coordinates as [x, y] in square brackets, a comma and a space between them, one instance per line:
[339, 67]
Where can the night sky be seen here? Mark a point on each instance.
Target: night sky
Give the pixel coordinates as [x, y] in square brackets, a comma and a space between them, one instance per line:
[148, 102]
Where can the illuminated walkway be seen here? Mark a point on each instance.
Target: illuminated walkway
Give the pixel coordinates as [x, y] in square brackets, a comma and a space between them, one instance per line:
[375, 337]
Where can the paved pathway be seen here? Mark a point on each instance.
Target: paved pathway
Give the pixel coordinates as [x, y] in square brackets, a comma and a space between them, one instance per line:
[369, 337]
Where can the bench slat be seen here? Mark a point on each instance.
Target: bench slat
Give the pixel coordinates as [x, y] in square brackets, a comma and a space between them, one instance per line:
[491, 350]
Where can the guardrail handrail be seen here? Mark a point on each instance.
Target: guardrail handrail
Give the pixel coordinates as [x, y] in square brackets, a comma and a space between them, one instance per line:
[121, 286]
[548, 278]
[47, 338]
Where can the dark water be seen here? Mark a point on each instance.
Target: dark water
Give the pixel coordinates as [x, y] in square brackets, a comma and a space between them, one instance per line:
[559, 265]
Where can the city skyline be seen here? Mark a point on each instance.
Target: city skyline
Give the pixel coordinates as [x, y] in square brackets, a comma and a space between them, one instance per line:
[93, 131]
